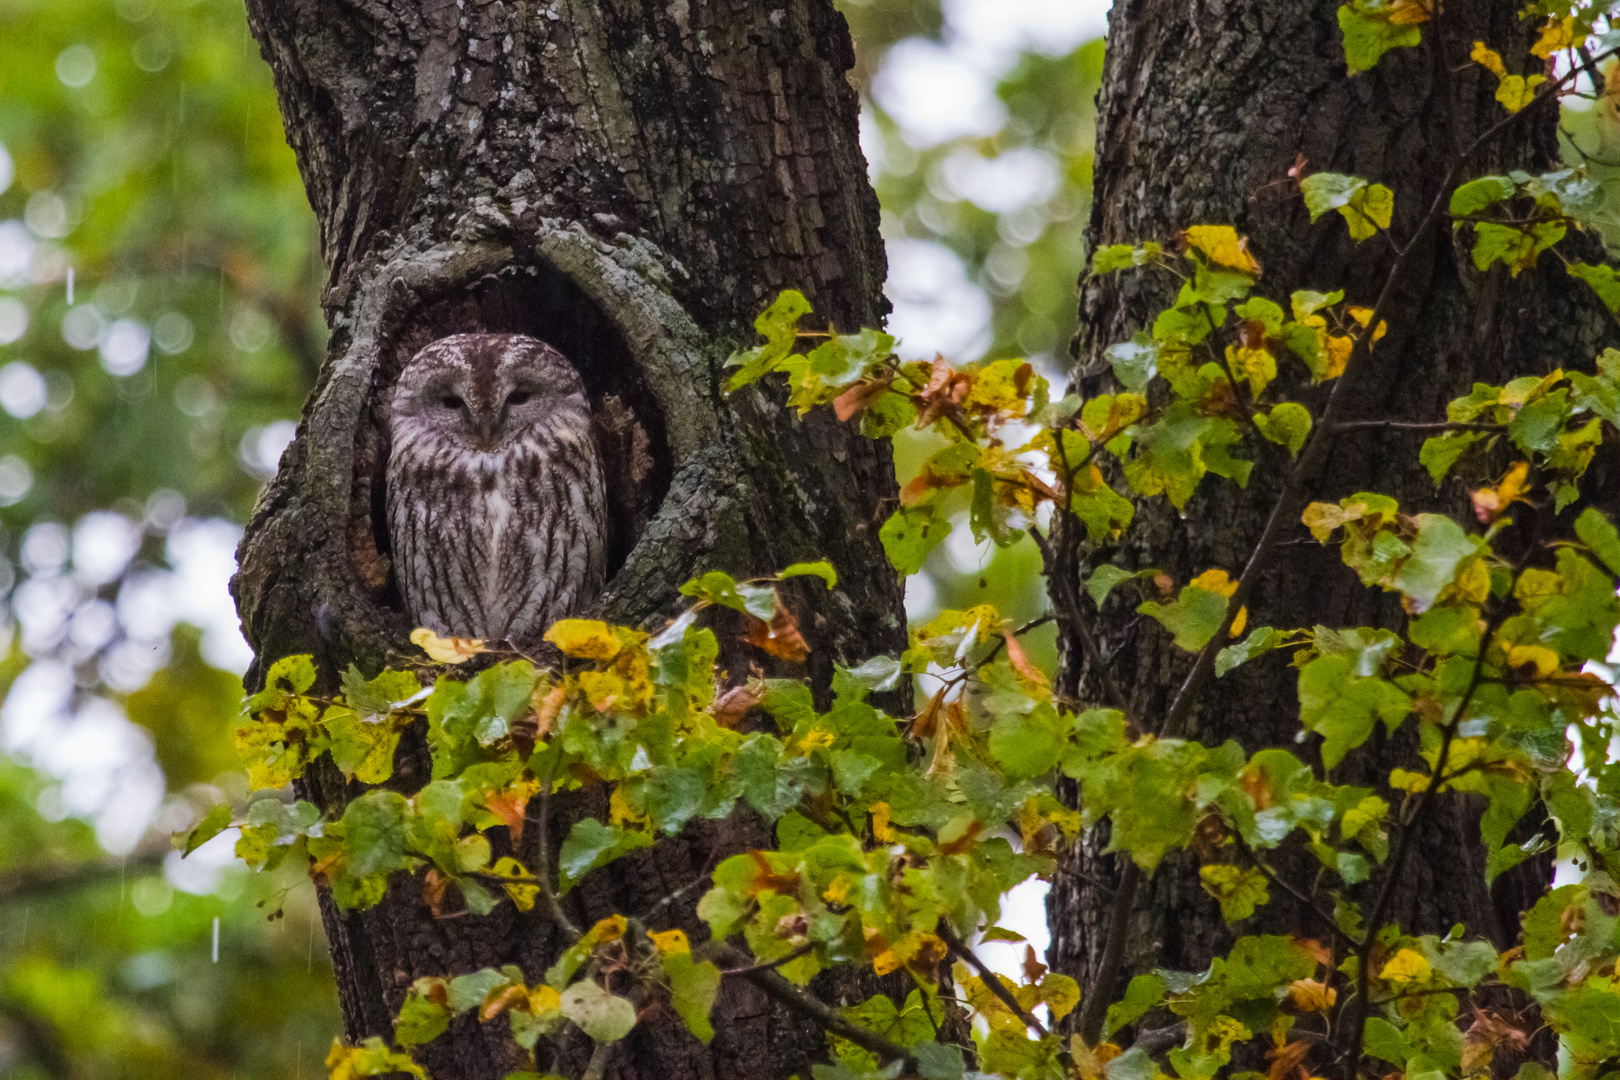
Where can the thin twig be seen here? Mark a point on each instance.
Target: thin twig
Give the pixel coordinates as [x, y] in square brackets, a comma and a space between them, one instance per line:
[778, 988]
[991, 980]
[558, 915]
[1403, 425]
[769, 964]
[1094, 1009]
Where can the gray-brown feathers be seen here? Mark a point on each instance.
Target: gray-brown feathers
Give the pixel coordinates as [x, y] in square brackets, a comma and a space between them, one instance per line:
[496, 504]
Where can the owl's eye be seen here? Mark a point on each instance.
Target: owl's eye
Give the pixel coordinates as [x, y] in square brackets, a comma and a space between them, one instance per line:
[518, 397]
[451, 401]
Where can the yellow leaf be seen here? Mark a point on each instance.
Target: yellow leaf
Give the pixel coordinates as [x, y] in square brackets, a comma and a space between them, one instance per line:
[1401, 780]
[446, 650]
[838, 891]
[1545, 660]
[586, 639]
[670, 941]
[881, 832]
[1406, 966]
[1215, 581]
[1310, 996]
[1516, 91]
[608, 929]
[1257, 366]
[1410, 12]
[1489, 58]
[1001, 386]
[1363, 315]
[522, 895]
[621, 812]
[1239, 621]
[1338, 356]
[1557, 34]
[886, 962]
[818, 739]
[543, 999]
[1222, 245]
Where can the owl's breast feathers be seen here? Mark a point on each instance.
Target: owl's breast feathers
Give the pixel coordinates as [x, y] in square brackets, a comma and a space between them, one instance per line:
[497, 544]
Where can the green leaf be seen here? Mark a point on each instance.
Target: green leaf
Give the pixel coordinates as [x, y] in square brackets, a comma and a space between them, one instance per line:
[362, 748]
[1028, 744]
[1239, 889]
[822, 569]
[986, 515]
[779, 324]
[1289, 424]
[937, 1061]
[374, 833]
[591, 844]
[1193, 617]
[1261, 640]
[1365, 207]
[1144, 994]
[603, 1016]
[1476, 195]
[1440, 547]
[1599, 534]
[720, 588]
[910, 534]
[1341, 707]
[1367, 37]
[1516, 247]
[1135, 362]
[693, 986]
[1442, 452]
[420, 1020]
[1384, 1040]
[213, 823]
[1603, 280]
[1104, 579]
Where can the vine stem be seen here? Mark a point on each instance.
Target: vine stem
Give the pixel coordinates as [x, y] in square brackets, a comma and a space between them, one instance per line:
[1386, 895]
[1284, 512]
[992, 981]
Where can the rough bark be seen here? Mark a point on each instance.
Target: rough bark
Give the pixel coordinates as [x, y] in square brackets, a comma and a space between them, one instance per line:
[1204, 108]
[632, 182]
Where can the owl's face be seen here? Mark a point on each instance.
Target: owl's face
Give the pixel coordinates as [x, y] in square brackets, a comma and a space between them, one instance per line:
[484, 392]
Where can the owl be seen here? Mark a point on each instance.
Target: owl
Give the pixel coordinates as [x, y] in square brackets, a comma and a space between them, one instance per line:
[496, 502]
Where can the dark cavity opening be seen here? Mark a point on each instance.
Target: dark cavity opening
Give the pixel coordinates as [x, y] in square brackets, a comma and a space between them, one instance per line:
[539, 302]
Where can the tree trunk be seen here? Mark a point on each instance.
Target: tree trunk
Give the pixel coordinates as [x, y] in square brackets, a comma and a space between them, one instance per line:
[1204, 109]
[632, 182]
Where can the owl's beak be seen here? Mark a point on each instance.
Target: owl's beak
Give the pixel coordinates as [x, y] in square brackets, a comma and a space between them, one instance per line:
[485, 426]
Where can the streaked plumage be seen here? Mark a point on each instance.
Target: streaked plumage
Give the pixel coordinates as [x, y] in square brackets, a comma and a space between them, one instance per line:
[496, 503]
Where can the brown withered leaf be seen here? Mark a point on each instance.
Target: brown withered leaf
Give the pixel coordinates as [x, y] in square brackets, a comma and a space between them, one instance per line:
[496, 1004]
[509, 807]
[1020, 661]
[859, 396]
[1289, 1062]
[1492, 503]
[780, 637]
[943, 396]
[1320, 952]
[434, 886]
[1309, 996]
[547, 708]
[1033, 968]
[926, 724]
[730, 707]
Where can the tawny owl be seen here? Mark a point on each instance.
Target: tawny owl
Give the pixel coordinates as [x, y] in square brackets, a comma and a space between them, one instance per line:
[496, 504]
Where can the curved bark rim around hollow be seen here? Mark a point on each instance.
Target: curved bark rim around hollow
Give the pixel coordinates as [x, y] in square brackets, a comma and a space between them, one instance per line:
[629, 280]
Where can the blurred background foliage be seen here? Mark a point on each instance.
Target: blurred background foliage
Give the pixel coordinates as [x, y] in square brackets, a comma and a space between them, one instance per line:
[159, 329]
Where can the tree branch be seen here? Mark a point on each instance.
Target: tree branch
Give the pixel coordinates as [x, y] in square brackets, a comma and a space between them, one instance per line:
[991, 980]
[801, 1002]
